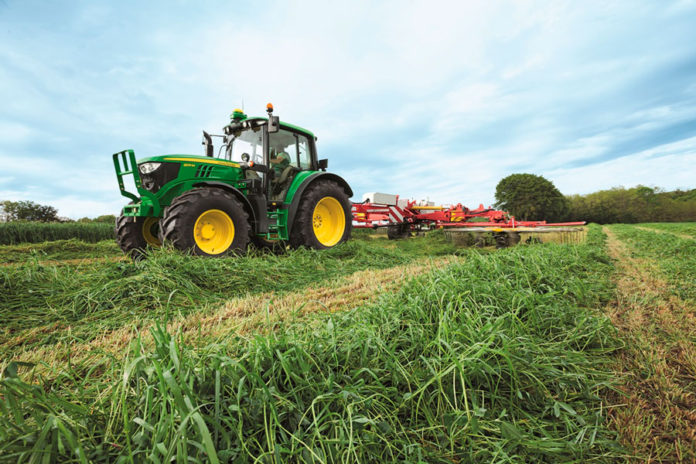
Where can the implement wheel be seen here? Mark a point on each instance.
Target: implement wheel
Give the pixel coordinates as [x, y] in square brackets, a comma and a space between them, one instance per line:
[207, 222]
[398, 231]
[135, 234]
[501, 240]
[323, 218]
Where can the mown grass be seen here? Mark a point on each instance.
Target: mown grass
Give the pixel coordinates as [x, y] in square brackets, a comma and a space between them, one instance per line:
[58, 250]
[686, 228]
[494, 359]
[50, 303]
[675, 256]
[12, 233]
[656, 317]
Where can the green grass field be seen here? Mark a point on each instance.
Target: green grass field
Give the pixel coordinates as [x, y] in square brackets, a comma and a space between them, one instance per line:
[374, 351]
[12, 233]
[686, 228]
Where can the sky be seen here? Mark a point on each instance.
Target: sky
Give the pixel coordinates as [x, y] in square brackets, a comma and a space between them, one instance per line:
[429, 100]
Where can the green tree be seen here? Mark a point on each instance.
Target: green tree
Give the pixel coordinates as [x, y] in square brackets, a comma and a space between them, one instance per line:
[110, 218]
[530, 197]
[27, 211]
[637, 204]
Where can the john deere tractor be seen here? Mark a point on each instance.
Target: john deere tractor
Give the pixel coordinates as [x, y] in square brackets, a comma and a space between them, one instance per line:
[264, 184]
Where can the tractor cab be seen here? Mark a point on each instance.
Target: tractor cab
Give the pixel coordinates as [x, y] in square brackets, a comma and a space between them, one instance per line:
[288, 151]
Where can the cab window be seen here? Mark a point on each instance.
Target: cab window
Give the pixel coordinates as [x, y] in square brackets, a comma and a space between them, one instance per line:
[295, 146]
[249, 141]
[305, 160]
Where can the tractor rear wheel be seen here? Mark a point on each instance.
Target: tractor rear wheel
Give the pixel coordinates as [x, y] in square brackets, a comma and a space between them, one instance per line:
[324, 217]
[207, 222]
[135, 234]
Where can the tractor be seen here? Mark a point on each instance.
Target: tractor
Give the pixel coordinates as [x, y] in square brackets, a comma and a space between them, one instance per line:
[263, 185]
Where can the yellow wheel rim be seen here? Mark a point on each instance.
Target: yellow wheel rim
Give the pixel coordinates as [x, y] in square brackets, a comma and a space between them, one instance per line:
[213, 232]
[328, 221]
[149, 231]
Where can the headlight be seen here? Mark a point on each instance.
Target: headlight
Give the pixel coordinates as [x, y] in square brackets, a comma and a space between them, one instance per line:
[147, 168]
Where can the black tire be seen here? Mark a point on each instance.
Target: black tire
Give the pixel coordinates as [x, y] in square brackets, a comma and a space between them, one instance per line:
[514, 238]
[501, 240]
[181, 218]
[132, 236]
[398, 231]
[303, 231]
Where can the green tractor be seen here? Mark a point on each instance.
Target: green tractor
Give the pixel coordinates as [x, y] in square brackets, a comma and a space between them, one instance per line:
[264, 185]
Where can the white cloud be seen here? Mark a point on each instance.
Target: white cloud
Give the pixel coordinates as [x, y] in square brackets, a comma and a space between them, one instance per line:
[13, 132]
[669, 166]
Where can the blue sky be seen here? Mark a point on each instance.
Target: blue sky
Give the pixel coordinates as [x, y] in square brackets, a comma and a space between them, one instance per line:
[435, 100]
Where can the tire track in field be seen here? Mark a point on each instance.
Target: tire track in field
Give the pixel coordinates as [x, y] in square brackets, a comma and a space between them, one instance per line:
[662, 231]
[246, 315]
[658, 365]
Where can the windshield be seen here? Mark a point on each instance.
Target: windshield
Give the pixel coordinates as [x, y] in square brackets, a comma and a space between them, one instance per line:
[248, 141]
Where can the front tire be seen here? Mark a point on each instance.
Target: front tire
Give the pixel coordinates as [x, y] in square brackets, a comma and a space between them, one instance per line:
[208, 222]
[135, 234]
[324, 217]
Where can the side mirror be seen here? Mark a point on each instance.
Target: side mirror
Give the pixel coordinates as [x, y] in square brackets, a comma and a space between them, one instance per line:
[323, 164]
[273, 121]
[273, 124]
[208, 144]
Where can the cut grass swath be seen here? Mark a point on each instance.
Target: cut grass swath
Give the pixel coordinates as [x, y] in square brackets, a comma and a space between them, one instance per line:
[71, 249]
[52, 303]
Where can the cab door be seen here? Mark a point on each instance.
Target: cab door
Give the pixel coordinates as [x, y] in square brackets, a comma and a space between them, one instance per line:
[290, 152]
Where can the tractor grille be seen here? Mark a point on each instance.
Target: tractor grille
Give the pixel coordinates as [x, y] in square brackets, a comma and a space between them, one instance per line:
[166, 173]
[204, 170]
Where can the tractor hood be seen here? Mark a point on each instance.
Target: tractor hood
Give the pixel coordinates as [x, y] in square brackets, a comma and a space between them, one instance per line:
[188, 159]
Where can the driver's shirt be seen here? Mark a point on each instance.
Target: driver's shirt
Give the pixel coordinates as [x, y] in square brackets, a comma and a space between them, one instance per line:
[278, 168]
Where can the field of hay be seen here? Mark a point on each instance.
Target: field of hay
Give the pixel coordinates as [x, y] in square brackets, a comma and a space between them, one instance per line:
[375, 351]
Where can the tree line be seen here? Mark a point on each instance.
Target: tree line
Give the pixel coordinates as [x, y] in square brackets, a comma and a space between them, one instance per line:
[531, 197]
[29, 211]
[525, 196]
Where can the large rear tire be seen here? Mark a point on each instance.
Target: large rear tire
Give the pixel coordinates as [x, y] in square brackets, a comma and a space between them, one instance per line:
[135, 234]
[324, 217]
[207, 222]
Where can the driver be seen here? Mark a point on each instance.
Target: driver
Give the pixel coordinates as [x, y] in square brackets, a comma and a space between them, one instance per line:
[279, 161]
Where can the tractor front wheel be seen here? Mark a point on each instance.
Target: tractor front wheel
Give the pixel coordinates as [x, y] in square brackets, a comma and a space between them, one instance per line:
[207, 222]
[134, 234]
[324, 217]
